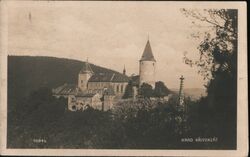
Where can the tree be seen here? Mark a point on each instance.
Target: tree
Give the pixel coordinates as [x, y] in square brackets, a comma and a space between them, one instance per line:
[146, 90]
[128, 91]
[160, 89]
[218, 48]
[218, 64]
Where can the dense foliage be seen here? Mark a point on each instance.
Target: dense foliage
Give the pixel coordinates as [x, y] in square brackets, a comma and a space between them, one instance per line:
[133, 124]
[160, 90]
[129, 125]
[215, 115]
[146, 90]
[128, 91]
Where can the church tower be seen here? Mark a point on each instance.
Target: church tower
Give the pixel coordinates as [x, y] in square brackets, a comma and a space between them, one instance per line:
[84, 75]
[147, 66]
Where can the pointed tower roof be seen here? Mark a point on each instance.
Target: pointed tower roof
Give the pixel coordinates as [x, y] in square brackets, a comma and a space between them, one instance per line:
[147, 53]
[86, 68]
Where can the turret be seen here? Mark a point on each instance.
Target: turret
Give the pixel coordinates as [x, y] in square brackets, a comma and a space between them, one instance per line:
[147, 66]
[124, 70]
[84, 75]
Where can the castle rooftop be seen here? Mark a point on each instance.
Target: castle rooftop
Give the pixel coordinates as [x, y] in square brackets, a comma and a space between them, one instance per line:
[108, 77]
[147, 53]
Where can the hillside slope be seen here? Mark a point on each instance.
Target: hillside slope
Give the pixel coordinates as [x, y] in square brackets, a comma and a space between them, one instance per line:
[28, 73]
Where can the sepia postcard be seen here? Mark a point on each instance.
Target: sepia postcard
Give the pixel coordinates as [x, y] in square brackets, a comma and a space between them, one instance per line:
[123, 78]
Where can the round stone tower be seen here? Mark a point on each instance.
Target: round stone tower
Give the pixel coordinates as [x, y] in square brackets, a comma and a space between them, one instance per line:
[147, 66]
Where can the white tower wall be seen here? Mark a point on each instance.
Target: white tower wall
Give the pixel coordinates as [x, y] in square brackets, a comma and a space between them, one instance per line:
[147, 72]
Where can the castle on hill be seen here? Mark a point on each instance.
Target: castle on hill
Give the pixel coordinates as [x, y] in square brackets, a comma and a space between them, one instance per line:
[102, 90]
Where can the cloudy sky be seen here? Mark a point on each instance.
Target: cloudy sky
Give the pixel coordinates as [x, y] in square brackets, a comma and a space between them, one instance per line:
[109, 34]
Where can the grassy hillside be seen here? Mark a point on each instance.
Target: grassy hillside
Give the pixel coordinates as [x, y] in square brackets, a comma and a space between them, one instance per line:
[27, 73]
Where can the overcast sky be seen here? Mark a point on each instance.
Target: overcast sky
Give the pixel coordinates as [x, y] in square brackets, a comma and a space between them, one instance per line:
[110, 34]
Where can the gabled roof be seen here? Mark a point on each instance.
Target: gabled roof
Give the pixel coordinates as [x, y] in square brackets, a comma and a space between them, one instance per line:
[147, 53]
[86, 68]
[108, 77]
[86, 95]
[120, 78]
[66, 89]
[70, 89]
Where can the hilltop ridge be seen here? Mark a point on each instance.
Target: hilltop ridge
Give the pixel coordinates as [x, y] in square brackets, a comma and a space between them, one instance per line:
[28, 73]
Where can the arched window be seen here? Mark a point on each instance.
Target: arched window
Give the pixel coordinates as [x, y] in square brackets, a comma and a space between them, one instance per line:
[117, 88]
[121, 88]
[73, 107]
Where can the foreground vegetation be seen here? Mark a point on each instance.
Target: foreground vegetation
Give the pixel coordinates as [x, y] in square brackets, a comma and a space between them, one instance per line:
[131, 124]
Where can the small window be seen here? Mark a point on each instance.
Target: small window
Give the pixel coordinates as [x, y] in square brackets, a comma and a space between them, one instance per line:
[81, 81]
[153, 64]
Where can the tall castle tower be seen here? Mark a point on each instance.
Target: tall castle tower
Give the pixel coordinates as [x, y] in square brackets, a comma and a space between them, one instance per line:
[84, 75]
[147, 66]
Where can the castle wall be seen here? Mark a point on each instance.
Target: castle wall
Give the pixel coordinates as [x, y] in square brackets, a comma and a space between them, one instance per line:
[72, 103]
[147, 72]
[98, 85]
[108, 102]
[118, 87]
[81, 103]
[96, 102]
